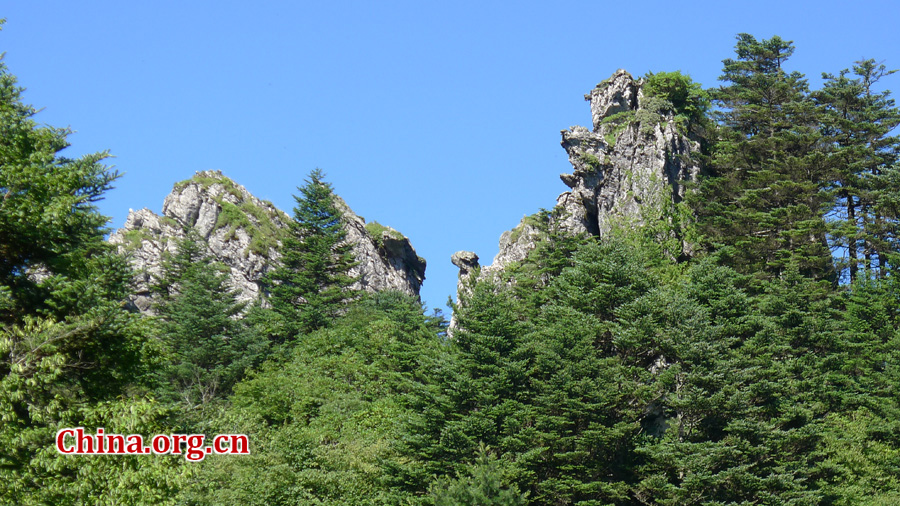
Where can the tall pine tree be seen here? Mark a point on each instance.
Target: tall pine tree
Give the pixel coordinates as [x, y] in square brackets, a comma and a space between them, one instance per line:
[763, 204]
[313, 281]
[858, 122]
[208, 346]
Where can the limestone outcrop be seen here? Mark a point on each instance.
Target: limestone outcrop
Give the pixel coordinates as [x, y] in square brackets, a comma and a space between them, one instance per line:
[243, 233]
[467, 263]
[632, 162]
[627, 169]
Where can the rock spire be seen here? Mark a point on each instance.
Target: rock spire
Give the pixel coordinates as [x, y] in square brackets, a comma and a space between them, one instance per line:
[631, 165]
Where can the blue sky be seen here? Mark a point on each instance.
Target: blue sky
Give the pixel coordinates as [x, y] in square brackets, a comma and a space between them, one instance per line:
[440, 119]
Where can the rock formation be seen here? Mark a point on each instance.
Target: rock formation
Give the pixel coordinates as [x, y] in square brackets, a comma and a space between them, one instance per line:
[627, 169]
[243, 233]
[626, 165]
[467, 262]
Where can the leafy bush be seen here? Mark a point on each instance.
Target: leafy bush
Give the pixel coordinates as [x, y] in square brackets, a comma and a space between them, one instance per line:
[688, 100]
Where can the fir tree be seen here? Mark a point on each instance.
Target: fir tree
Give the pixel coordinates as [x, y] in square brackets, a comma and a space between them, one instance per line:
[764, 201]
[312, 283]
[481, 485]
[858, 122]
[208, 347]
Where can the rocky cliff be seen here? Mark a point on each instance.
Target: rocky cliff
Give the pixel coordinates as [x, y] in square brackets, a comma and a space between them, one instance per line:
[244, 233]
[627, 170]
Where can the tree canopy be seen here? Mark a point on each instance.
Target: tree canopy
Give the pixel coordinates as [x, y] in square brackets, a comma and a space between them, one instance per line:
[758, 365]
[314, 275]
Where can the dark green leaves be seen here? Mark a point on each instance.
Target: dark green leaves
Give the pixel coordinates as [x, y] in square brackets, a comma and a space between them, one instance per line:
[314, 278]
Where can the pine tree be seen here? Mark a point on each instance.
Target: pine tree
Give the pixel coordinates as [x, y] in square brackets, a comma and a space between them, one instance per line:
[50, 231]
[481, 485]
[69, 348]
[858, 122]
[764, 201]
[208, 346]
[544, 382]
[313, 281]
[743, 390]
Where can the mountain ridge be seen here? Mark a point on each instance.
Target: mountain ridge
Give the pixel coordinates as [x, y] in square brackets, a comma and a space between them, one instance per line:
[243, 232]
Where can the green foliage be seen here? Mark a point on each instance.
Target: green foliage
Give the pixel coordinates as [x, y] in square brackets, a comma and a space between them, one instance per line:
[253, 220]
[538, 220]
[481, 484]
[68, 349]
[858, 122]
[172, 222]
[43, 476]
[135, 237]
[552, 252]
[651, 114]
[619, 122]
[861, 461]
[743, 388]
[311, 285]
[207, 181]
[624, 370]
[377, 230]
[206, 348]
[48, 220]
[666, 94]
[542, 385]
[687, 99]
[232, 217]
[764, 204]
[326, 420]
[591, 161]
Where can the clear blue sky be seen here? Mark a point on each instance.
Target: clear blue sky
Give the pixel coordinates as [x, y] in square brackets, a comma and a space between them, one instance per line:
[440, 119]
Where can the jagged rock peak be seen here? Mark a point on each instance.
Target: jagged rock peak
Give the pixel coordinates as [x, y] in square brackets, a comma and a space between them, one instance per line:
[633, 162]
[627, 169]
[244, 233]
[617, 94]
[387, 260]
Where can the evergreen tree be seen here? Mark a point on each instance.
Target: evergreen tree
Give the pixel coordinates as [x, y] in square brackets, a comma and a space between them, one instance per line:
[861, 437]
[742, 392]
[313, 281]
[552, 252]
[543, 382]
[763, 202]
[69, 349]
[208, 347]
[481, 485]
[51, 235]
[858, 122]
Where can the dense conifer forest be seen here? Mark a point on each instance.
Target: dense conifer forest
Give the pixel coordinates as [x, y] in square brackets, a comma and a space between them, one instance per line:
[760, 365]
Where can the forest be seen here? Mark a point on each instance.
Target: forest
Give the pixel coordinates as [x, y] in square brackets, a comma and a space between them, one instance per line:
[744, 351]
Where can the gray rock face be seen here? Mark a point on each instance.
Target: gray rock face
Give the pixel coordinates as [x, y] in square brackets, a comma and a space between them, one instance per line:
[467, 262]
[386, 262]
[243, 233]
[626, 170]
[514, 245]
[623, 171]
[617, 94]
